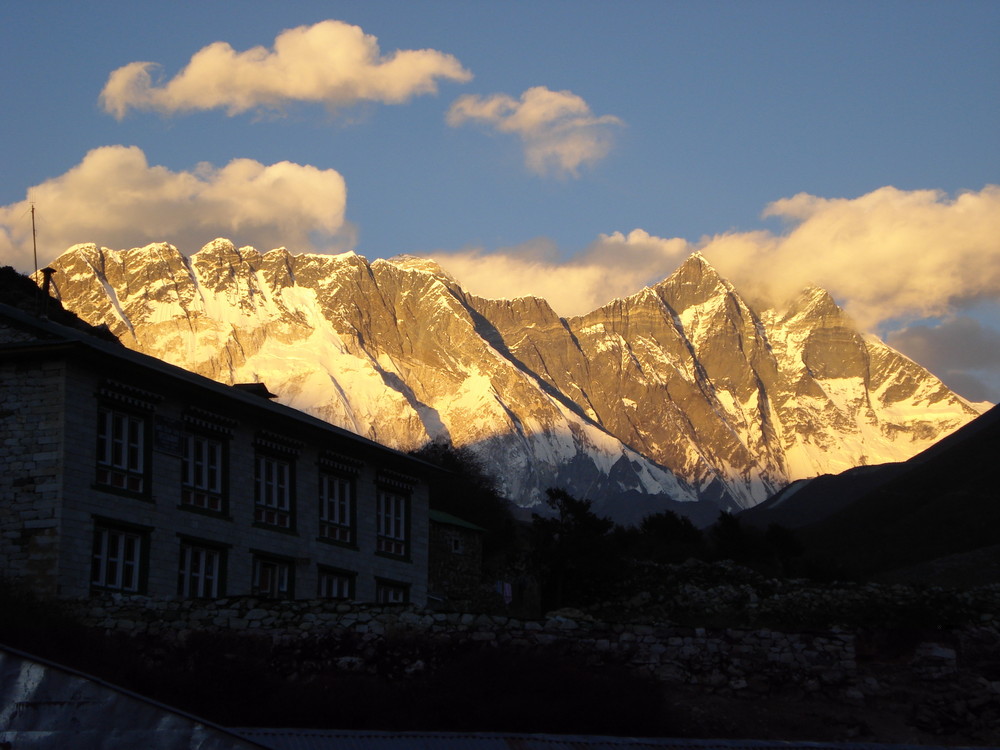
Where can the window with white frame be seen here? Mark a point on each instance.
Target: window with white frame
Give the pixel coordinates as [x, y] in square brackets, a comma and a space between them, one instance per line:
[391, 592]
[200, 574]
[336, 508]
[273, 491]
[335, 584]
[391, 521]
[121, 450]
[117, 559]
[202, 473]
[272, 577]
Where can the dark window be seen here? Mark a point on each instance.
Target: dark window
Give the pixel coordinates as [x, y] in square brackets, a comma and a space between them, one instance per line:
[117, 563]
[203, 473]
[273, 578]
[273, 491]
[201, 571]
[391, 592]
[392, 521]
[121, 450]
[335, 584]
[336, 508]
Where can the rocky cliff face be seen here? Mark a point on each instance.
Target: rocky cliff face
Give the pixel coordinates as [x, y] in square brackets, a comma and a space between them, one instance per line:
[681, 396]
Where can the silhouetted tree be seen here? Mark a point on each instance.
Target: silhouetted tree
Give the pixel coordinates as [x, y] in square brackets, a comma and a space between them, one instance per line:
[784, 546]
[729, 539]
[574, 551]
[669, 538]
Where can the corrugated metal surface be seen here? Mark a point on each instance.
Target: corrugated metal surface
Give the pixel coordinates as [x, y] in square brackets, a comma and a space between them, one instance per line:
[44, 706]
[319, 739]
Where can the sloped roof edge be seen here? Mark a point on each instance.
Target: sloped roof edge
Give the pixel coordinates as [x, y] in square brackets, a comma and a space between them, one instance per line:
[116, 737]
[439, 516]
[69, 338]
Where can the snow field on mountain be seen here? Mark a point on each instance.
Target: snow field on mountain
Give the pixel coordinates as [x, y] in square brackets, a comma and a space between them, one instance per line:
[697, 320]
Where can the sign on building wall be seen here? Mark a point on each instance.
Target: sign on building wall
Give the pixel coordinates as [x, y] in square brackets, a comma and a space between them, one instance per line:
[168, 436]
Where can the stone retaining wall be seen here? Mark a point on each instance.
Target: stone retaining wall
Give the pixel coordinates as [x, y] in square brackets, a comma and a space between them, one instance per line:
[354, 637]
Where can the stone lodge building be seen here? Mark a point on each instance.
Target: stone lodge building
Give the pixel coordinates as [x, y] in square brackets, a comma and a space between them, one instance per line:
[455, 560]
[121, 473]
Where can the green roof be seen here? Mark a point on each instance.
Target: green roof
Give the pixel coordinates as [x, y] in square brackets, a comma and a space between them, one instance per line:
[439, 516]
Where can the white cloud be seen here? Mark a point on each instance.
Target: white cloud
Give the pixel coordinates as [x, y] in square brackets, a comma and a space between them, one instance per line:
[887, 254]
[558, 131]
[116, 199]
[331, 62]
[616, 265]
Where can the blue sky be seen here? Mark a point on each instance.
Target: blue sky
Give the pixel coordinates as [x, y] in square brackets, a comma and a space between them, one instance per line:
[655, 128]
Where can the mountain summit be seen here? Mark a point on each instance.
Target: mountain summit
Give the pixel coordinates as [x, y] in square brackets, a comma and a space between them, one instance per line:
[682, 396]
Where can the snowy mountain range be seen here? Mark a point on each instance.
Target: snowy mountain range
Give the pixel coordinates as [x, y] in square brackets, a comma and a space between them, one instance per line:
[682, 396]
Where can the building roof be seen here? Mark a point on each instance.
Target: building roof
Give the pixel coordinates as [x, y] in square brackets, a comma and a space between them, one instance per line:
[46, 706]
[59, 341]
[439, 516]
[325, 739]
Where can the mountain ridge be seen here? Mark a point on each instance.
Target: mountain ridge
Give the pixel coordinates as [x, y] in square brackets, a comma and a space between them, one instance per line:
[681, 395]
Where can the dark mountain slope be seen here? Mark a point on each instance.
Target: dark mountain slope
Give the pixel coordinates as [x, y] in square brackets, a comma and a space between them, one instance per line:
[945, 501]
[809, 501]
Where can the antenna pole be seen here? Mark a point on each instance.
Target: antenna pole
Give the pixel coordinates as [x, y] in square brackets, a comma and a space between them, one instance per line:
[34, 250]
[34, 243]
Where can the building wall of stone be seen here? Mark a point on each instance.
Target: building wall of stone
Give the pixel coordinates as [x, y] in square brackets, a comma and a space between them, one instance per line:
[39, 472]
[31, 437]
[455, 561]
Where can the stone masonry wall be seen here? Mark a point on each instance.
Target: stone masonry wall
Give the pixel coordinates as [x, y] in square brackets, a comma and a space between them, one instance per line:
[455, 561]
[31, 428]
[352, 636]
[941, 678]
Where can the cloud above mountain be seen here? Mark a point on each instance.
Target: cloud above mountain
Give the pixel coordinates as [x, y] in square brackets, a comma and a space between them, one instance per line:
[889, 254]
[615, 265]
[115, 198]
[558, 131]
[331, 62]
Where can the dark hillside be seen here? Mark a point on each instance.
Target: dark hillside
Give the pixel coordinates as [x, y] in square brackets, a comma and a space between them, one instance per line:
[808, 501]
[945, 502]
